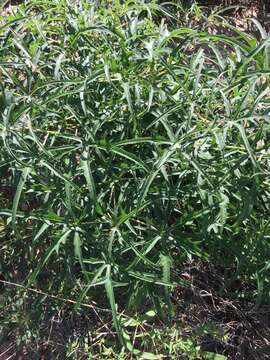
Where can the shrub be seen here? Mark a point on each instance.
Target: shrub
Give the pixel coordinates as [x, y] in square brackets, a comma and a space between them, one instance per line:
[132, 139]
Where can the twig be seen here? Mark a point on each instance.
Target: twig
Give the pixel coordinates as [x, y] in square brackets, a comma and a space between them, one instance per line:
[56, 297]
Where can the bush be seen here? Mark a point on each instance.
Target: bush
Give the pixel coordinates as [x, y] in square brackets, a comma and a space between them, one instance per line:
[130, 145]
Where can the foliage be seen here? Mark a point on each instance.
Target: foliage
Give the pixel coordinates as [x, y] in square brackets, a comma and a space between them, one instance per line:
[133, 138]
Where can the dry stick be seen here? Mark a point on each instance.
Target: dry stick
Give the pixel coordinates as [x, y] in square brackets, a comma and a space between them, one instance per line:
[11, 357]
[64, 346]
[7, 350]
[93, 307]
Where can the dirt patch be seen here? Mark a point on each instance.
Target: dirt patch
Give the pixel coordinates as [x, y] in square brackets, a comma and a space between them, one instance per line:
[223, 325]
[206, 311]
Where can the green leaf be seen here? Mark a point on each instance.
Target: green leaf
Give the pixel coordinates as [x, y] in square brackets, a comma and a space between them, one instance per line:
[214, 356]
[166, 277]
[111, 298]
[133, 158]
[54, 248]
[24, 175]
[85, 164]
[77, 242]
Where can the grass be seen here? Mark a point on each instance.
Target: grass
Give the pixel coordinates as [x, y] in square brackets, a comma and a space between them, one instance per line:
[134, 139]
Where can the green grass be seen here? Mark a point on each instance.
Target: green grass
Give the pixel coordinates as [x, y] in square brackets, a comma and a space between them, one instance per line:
[132, 140]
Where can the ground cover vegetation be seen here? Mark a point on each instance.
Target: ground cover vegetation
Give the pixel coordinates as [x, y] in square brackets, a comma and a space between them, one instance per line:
[134, 146]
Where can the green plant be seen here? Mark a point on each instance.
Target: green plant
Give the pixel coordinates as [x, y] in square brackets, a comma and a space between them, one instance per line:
[130, 144]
